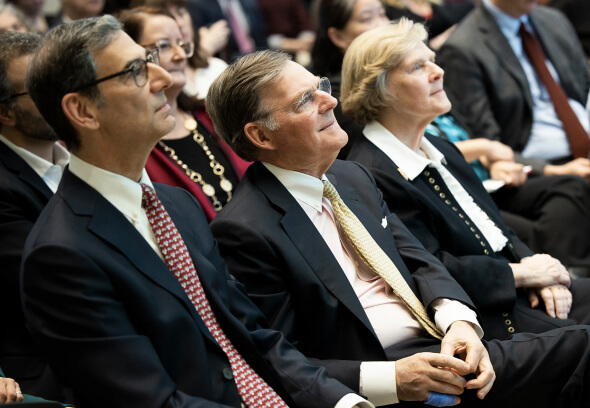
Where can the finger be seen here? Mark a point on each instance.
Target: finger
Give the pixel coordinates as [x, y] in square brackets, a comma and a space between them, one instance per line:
[563, 301]
[533, 299]
[475, 353]
[11, 388]
[447, 361]
[485, 379]
[547, 297]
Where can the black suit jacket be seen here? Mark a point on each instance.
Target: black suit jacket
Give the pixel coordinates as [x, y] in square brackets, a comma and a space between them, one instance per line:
[23, 194]
[207, 12]
[271, 245]
[429, 210]
[118, 326]
[487, 84]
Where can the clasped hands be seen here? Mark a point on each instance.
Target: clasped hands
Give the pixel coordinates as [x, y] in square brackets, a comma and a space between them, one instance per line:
[418, 375]
[545, 277]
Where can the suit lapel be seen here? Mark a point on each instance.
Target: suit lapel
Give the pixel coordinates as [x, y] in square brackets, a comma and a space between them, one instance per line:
[310, 244]
[111, 226]
[19, 167]
[504, 54]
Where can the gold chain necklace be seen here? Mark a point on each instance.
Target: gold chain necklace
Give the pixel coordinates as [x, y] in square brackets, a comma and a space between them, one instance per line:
[226, 185]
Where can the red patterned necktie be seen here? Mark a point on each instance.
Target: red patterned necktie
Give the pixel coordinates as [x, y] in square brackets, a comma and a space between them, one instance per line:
[255, 392]
[576, 134]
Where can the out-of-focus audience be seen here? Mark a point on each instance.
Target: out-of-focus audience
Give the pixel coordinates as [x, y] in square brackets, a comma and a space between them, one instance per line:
[75, 10]
[431, 12]
[202, 67]
[516, 73]
[34, 13]
[12, 19]
[191, 155]
[31, 164]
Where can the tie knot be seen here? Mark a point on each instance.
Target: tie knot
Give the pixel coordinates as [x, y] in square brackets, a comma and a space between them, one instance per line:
[329, 191]
[148, 195]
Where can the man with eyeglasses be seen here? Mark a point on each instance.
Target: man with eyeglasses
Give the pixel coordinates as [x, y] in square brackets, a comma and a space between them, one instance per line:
[321, 255]
[31, 165]
[123, 284]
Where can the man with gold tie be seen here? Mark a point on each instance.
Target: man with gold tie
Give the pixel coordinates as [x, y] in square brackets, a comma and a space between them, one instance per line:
[343, 279]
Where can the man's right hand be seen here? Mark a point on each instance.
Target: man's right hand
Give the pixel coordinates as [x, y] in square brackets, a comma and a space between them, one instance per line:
[579, 167]
[418, 375]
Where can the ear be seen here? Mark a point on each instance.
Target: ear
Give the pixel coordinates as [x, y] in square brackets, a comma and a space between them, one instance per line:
[259, 136]
[7, 116]
[338, 38]
[80, 111]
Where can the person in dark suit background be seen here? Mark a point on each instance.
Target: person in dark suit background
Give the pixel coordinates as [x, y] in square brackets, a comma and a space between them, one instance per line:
[114, 320]
[315, 285]
[247, 19]
[31, 165]
[498, 93]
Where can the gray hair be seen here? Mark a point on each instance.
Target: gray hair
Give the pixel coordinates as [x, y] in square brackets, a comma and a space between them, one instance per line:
[235, 98]
[65, 63]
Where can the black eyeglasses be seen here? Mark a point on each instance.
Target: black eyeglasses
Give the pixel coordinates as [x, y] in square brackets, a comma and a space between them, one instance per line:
[165, 46]
[138, 69]
[308, 97]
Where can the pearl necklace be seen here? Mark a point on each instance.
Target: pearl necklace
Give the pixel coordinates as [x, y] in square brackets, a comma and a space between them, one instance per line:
[226, 185]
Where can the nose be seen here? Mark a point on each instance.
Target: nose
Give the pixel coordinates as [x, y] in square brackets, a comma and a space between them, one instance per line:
[325, 101]
[159, 78]
[179, 53]
[437, 72]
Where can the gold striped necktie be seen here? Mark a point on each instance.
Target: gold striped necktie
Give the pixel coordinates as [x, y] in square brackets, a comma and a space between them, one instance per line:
[372, 254]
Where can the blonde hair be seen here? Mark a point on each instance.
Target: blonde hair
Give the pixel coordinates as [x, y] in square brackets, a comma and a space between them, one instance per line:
[367, 62]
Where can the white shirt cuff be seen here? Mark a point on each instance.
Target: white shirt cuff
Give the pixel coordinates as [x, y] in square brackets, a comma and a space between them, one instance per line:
[447, 312]
[351, 400]
[378, 382]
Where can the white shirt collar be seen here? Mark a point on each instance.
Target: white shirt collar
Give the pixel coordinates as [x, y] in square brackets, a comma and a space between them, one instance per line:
[302, 187]
[508, 24]
[410, 163]
[49, 172]
[122, 192]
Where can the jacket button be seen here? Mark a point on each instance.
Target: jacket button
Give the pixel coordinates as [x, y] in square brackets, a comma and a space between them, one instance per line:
[511, 329]
[227, 374]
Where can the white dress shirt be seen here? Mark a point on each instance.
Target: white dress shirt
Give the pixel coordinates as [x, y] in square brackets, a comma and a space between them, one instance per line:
[125, 195]
[378, 381]
[548, 139]
[49, 172]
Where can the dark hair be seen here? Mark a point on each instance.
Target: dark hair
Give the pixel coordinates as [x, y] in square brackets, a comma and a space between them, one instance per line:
[14, 45]
[64, 63]
[326, 57]
[198, 60]
[235, 98]
[133, 21]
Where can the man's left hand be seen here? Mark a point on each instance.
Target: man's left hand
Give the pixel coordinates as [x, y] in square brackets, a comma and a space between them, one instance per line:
[462, 340]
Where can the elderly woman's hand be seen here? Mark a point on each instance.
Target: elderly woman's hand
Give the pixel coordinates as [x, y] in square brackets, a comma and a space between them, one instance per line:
[9, 391]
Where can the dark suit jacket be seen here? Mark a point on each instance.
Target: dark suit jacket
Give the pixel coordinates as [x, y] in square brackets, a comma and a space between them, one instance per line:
[23, 194]
[429, 210]
[117, 325]
[271, 246]
[487, 84]
[207, 12]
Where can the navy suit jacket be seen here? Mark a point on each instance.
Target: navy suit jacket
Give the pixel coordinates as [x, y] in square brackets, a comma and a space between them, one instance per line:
[23, 195]
[430, 211]
[271, 245]
[117, 325]
[207, 12]
[487, 84]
